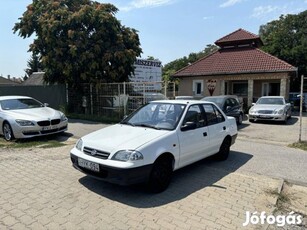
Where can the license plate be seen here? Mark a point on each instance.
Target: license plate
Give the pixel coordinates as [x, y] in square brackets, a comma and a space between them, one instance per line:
[264, 116]
[88, 165]
[50, 127]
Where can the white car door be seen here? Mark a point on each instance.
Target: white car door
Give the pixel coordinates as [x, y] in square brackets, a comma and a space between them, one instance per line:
[193, 136]
[217, 127]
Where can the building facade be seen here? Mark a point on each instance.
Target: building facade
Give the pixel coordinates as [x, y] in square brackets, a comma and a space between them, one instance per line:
[239, 68]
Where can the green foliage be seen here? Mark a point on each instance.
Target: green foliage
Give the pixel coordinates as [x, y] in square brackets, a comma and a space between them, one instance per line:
[79, 41]
[34, 65]
[286, 39]
[172, 67]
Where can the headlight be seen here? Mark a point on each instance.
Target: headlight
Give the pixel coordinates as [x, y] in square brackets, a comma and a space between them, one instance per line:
[24, 123]
[79, 144]
[63, 117]
[252, 110]
[280, 111]
[127, 155]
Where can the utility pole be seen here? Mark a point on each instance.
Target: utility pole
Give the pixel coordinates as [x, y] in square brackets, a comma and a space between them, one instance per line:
[301, 108]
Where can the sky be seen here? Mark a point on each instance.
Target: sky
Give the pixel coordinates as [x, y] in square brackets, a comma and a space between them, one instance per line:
[168, 29]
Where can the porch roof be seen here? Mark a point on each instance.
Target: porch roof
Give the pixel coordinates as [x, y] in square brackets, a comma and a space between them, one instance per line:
[235, 60]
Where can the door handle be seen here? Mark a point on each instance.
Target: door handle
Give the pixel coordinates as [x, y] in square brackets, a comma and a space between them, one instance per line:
[224, 127]
[205, 134]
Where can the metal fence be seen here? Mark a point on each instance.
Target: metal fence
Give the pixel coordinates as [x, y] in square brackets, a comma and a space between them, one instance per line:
[115, 100]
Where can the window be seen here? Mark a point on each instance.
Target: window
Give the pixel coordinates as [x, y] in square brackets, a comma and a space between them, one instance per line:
[240, 88]
[198, 87]
[194, 115]
[213, 115]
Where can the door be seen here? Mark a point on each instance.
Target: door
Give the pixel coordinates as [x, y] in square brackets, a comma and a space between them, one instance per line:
[216, 127]
[193, 136]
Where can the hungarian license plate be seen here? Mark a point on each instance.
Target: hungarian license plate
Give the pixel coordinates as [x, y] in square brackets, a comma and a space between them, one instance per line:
[50, 127]
[88, 165]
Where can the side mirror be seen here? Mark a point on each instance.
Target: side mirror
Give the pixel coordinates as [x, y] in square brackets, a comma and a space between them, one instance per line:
[46, 104]
[228, 108]
[188, 126]
[253, 104]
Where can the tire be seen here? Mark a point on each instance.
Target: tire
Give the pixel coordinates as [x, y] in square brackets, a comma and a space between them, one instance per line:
[7, 131]
[240, 119]
[223, 153]
[161, 175]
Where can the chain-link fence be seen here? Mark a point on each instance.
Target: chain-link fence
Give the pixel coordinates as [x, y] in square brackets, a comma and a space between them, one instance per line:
[115, 100]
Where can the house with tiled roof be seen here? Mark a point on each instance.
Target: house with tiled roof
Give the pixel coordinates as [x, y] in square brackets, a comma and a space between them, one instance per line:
[240, 68]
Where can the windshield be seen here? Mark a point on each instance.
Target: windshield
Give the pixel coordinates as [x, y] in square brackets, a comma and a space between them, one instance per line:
[216, 100]
[21, 103]
[157, 116]
[270, 101]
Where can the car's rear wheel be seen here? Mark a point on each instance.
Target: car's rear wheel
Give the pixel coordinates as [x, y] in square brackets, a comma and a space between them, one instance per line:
[161, 174]
[224, 150]
[7, 132]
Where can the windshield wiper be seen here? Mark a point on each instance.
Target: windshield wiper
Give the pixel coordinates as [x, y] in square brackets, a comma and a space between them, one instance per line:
[127, 123]
[147, 126]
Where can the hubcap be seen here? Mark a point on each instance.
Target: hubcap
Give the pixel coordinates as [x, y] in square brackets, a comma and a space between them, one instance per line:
[7, 132]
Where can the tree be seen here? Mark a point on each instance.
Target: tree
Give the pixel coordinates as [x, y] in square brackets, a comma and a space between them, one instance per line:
[170, 68]
[79, 41]
[286, 39]
[34, 65]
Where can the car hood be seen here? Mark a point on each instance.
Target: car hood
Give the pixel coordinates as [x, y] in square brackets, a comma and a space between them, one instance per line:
[35, 114]
[121, 137]
[268, 107]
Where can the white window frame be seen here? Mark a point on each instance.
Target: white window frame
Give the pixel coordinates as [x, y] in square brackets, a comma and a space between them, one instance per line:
[195, 83]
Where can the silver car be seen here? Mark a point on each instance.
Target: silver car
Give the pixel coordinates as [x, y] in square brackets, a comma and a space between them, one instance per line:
[272, 108]
[25, 117]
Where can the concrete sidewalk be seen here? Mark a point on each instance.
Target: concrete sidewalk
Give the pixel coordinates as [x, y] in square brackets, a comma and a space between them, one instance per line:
[40, 190]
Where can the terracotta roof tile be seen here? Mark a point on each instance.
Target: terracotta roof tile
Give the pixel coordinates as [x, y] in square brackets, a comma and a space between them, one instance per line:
[236, 36]
[235, 60]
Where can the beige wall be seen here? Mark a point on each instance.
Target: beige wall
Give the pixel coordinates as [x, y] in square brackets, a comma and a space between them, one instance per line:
[186, 83]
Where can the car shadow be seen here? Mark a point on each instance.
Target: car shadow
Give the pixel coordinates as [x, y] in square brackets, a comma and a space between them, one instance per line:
[290, 121]
[185, 181]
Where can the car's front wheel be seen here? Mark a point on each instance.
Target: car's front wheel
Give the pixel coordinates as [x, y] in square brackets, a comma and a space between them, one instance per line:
[7, 132]
[161, 174]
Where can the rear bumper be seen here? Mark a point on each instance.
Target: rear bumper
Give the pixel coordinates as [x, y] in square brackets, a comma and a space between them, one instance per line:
[116, 175]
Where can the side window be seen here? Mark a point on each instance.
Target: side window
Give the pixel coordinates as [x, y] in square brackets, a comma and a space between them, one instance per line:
[194, 115]
[213, 114]
[234, 102]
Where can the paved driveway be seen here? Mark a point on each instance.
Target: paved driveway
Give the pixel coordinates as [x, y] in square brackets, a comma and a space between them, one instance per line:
[40, 189]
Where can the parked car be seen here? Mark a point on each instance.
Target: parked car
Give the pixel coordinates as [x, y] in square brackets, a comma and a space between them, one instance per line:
[272, 108]
[295, 100]
[25, 117]
[229, 104]
[154, 141]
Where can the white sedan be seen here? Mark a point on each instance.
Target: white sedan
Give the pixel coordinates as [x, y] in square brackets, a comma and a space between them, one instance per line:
[155, 140]
[25, 117]
[272, 108]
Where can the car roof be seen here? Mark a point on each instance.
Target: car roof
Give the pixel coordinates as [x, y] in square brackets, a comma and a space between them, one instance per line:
[222, 96]
[14, 97]
[190, 102]
[272, 97]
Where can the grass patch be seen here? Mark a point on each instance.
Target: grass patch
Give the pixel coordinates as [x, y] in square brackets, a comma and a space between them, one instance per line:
[299, 145]
[30, 143]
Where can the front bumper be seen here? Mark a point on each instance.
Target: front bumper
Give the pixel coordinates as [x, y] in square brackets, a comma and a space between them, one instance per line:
[21, 132]
[267, 117]
[121, 176]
